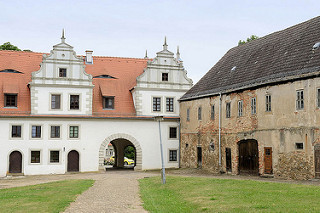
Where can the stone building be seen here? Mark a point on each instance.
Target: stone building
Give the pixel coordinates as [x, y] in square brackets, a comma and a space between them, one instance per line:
[59, 111]
[257, 111]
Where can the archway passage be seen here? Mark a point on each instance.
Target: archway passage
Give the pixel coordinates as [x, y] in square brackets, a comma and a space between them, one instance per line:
[248, 157]
[15, 162]
[73, 161]
[124, 154]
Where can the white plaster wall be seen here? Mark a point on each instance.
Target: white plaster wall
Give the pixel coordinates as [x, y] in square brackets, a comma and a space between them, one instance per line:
[43, 101]
[92, 133]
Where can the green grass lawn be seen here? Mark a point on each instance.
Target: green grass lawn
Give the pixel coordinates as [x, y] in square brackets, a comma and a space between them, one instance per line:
[194, 194]
[47, 197]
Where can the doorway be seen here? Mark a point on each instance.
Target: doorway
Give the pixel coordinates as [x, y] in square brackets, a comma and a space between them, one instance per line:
[268, 160]
[15, 162]
[199, 151]
[73, 161]
[228, 160]
[317, 161]
[248, 157]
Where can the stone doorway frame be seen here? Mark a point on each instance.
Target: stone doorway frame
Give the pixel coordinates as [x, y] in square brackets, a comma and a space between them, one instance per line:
[135, 143]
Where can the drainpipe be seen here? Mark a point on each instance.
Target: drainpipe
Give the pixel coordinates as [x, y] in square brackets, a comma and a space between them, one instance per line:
[220, 131]
[163, 173]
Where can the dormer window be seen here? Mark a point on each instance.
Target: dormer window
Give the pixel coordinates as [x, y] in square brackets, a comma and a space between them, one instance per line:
[164, 76]
[108, 102]
[10, 100]
[62, 72]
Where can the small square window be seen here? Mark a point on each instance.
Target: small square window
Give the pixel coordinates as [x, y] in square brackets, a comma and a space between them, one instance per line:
[74, 101]
[36, 132]
[74, 132]
[108, 102]
[54, 156]
[62, 72]
[55, 131]
[10, 100]
[299, 145]
[35, 156]
[16, 131]
[165, 76]
[156, 104]
[55, 101]
[173, 155]
[173, 132]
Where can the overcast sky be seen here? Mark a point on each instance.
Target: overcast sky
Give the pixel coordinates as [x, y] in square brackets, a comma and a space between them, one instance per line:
[204, 29]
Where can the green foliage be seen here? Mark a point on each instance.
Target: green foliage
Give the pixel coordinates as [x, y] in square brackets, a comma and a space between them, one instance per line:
[9, 46]
[47, 197]
[194, 194]
[251, 38]
[129, 152]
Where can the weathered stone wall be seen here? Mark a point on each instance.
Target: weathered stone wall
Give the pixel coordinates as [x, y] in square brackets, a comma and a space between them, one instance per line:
[279, 129]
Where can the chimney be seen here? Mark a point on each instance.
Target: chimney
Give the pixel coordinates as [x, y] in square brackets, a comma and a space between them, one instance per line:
[89, 58]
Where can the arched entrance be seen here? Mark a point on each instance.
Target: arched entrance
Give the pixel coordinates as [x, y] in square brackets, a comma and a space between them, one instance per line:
[120, 142]
[15, 162]
[73, 161]
[248, 157]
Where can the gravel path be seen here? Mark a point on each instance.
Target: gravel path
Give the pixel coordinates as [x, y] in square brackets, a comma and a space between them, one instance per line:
[113, 191]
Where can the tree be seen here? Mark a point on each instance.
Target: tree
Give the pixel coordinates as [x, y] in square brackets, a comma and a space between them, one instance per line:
[129, 152]
[251, 38]
[8, 46]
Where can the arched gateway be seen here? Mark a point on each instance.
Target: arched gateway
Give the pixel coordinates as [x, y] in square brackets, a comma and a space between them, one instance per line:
[127, 137]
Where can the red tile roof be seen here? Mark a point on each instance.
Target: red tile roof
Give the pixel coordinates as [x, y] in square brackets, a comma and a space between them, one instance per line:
[124, 70]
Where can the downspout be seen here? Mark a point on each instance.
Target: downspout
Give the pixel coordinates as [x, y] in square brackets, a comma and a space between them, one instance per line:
[220, 131]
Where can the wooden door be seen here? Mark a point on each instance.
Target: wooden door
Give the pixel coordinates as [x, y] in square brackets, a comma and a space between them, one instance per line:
[228, 160]
[199, 150]
[248, 157]
[268, 160]
[317, 161]
[73, 161]
[15, 162]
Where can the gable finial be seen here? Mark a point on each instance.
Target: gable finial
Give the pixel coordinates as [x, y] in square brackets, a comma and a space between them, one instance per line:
[178, 52]
[62, 37]
[146, 56]
[165, 46]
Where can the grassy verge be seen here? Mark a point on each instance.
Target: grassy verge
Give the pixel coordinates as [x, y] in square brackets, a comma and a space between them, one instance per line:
[191, 194]
[47, 197]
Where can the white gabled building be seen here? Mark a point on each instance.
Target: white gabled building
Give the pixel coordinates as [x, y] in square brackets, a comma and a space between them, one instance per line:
[60, 117]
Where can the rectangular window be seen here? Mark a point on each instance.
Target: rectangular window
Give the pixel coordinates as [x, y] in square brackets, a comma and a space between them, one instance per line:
[240, 108]
[164, 76]
[10, 100]
[228, 110]
[74, 101]
[35, 156]
[16, 132]
[318, 104]
[188, 114]
[55, 101]
[156, 104]
[173, 155]
[212, 112]
[36, 132]
[173, 132]
[253, 106]
[108, 102]
[74, 132]
[299, 145]
[268, 103]
[300, 100]
[54, 156]
[62, 72]
[55, 131]
[169, 102]
[199, 113]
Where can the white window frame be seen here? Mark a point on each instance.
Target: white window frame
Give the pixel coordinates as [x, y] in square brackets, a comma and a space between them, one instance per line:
[69, 99]
[50, 103]
[268, 103]
[300, 99]
[41, 156]
[49, 136]
[152, 104]
[177, 135]
[176, 161]
[49, 158]
[173, 105]
[253, 106]
[78, 138]
[240, 108]
[41, 136]
[10, 131]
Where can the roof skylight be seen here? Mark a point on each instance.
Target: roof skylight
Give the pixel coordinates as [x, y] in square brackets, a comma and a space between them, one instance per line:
[234, 68]
[316, 46]
[10, 71]
[104, 76]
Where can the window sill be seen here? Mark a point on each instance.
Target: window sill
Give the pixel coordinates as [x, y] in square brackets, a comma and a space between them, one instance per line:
[10, 107]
